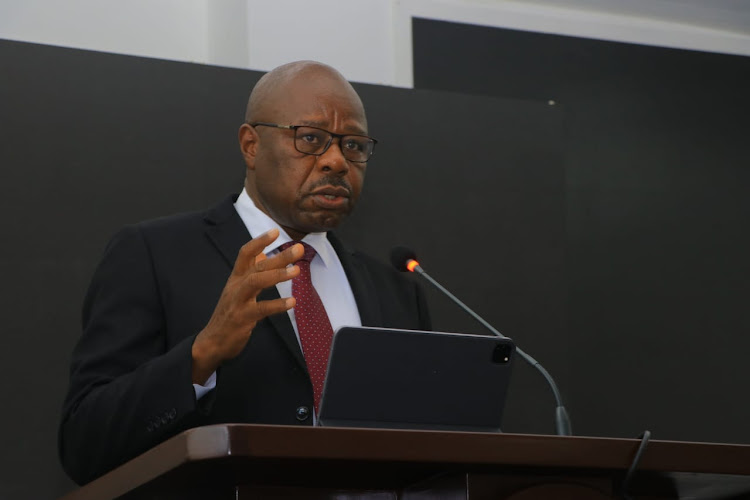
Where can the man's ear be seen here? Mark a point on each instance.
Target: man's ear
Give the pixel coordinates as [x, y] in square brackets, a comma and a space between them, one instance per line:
[248, 138]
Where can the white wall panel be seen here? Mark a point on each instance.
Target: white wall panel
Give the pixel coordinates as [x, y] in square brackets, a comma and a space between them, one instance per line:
[354, 36]
[167, 29]
[368, 40]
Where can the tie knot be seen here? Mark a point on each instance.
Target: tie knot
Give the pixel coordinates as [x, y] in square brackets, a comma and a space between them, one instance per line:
[309, 254]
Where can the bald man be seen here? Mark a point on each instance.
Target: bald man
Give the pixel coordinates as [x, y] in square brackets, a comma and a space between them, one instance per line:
[191, 319]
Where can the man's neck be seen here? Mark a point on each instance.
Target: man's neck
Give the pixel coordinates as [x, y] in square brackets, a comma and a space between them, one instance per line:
[294, 234]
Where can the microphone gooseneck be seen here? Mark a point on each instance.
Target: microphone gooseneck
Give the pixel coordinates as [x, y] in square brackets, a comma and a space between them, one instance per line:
[405, 259]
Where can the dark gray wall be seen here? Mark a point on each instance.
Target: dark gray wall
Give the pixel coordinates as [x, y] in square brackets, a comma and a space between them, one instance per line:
[92, 141]
[657, 173]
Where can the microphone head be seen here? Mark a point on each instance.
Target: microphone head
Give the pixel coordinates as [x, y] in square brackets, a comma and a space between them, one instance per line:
[400, 257]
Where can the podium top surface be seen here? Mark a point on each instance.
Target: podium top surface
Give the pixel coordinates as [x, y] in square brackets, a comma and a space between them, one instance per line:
[248, 452]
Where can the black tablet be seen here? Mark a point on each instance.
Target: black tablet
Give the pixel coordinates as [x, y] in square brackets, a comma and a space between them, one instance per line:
[386, 378]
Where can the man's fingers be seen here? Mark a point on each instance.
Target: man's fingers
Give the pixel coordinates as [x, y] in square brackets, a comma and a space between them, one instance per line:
[282, 259]
[269, 307]
[253, 283]
[250, 251]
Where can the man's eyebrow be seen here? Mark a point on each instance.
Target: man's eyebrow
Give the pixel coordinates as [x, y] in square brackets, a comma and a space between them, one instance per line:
[312, 123]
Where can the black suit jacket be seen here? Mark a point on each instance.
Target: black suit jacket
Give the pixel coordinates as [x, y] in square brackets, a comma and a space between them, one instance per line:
[154, 290]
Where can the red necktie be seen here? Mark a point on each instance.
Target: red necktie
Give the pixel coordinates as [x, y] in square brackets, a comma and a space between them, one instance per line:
[313, 325]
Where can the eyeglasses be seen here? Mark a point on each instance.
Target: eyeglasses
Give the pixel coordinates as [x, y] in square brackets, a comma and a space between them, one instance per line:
[316, 141]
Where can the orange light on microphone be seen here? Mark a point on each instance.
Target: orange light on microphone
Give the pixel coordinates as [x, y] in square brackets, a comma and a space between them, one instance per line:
[411, 265]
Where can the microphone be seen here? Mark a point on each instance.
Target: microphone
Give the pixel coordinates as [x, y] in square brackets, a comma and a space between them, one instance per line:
[405, 259]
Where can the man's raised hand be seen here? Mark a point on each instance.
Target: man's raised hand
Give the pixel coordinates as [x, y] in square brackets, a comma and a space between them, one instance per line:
[238, 310]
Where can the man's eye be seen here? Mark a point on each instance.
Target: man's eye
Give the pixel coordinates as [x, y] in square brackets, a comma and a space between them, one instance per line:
[310, 138]
[354, 145]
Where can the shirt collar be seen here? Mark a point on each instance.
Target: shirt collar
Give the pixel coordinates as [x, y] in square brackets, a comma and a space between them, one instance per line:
[257, 222]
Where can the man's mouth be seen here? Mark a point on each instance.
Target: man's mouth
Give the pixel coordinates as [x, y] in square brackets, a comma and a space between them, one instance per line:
[331, 197]
[332, 192]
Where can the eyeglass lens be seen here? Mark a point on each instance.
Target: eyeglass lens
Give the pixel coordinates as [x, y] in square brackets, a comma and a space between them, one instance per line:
[315, 141]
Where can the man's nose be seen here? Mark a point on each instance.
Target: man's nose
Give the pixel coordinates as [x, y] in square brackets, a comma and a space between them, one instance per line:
[333, 159]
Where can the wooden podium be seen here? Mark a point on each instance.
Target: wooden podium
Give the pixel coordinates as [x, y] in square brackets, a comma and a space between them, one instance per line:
[278, 462]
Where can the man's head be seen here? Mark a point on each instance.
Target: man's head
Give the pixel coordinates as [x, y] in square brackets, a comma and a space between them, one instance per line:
[302, 192]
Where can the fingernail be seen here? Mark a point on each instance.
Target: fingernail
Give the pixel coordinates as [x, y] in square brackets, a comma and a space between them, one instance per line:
[272, 232]
[291, 270]
[289, 303]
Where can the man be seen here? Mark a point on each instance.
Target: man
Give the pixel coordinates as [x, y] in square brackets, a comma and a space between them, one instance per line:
[184, 322]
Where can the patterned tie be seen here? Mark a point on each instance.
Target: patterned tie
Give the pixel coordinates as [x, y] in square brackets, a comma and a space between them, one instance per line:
[315, 331]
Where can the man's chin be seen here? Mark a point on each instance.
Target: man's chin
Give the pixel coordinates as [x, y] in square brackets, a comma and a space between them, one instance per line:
[325, 221]
[329, 222]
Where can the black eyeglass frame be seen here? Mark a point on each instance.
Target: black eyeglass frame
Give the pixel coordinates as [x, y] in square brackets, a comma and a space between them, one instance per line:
[328, 145]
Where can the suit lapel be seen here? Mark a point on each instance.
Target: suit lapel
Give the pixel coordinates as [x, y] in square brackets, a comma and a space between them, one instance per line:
[283, 326]
[226, 230]
[360, 282]
[228, 233]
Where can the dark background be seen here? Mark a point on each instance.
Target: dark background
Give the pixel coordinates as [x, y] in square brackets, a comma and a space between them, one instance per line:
[604, 233]
[657, 172]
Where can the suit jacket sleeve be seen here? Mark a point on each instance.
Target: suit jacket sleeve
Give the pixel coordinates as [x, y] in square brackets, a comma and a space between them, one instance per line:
[128, 390]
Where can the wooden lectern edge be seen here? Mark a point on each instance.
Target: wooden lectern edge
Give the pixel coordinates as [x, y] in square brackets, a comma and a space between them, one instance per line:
[465, 449]
[199, 443]
[485, 449]
[279, 442]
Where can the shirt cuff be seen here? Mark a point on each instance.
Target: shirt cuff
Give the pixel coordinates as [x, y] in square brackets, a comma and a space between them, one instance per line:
[202, 390]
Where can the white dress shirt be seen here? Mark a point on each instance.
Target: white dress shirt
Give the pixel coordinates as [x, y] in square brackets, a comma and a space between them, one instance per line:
[326, 271]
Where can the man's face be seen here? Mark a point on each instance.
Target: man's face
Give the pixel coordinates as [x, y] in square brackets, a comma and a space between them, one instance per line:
[306, 193]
